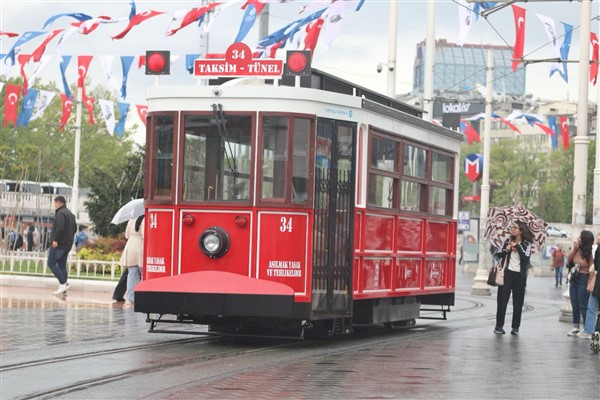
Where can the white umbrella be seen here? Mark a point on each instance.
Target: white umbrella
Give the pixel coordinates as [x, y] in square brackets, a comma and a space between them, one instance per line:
[131, 210]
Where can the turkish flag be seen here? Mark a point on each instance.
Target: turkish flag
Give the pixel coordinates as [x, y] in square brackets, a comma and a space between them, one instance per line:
[312, 34]
[564, 128]
[519, 37]
[469, 132]
[89, 104]
[83, 63]
[24, 59]
[136, 20]
[39, 52]
[142, 112]
[11, 102]
[67, 104]
[192, 16]
[142, 61]
[595, 56]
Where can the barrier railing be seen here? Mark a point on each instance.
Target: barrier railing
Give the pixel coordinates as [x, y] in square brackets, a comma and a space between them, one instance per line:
[35, 264]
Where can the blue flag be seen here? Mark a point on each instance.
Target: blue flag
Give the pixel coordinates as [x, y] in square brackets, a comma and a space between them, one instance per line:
[553, 126]
[27, 107]
[78, 16]
[27, 36]
[247, 23]
[123, 110]
[189, 62]
[564, 52]
[63, 66]
[126, 62]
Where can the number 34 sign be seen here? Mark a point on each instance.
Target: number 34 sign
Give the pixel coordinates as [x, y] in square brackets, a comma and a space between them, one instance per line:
[238, 61]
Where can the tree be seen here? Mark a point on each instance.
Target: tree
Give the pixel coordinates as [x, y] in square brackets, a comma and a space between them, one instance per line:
[113, 187]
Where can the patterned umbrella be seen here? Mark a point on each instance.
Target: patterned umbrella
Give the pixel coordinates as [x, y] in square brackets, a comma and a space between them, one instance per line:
[501, 219]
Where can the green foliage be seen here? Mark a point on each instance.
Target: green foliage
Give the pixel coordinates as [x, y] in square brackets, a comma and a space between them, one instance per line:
[112, 187]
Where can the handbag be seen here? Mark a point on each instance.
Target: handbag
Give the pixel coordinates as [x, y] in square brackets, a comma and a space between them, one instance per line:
[500, 277]
[492, 276]
[573, 273]
[591, 281]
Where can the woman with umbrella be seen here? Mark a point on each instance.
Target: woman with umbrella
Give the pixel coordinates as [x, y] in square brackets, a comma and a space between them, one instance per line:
[515, 254]
[132, 257]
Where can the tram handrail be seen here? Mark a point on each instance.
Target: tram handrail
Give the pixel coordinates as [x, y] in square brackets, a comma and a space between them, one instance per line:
[34, 263]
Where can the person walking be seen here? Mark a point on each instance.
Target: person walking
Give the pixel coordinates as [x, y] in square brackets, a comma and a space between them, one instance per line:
[580, 260]
[132, 257]
[558, 262]
[31, 238]
[61, 241]
[590, 315]
[515, 254]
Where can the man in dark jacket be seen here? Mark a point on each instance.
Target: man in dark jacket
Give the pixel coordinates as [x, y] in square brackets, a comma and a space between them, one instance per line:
[62, 236]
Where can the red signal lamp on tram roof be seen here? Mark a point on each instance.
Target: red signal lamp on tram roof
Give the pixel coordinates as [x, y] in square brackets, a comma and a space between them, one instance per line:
[158, 62]
[297, 63]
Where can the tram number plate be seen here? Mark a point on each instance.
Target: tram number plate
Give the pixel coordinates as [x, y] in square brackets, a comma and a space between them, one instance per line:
[286, 224]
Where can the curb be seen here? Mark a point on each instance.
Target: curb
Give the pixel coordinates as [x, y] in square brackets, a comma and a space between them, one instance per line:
[81, 285]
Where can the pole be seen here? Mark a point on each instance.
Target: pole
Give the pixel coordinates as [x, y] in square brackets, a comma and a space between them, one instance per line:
[596, 205]
[480, 286]
[393, 34]
[582, 140]
[429, 62]
[75, 194]
[263, 22]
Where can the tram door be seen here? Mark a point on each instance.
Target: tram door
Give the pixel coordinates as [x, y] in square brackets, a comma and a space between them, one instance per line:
[333, 221]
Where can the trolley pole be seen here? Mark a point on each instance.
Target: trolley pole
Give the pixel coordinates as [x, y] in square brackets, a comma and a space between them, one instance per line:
[582, 140]
[391, 64]
[480, 287]
[429, 62]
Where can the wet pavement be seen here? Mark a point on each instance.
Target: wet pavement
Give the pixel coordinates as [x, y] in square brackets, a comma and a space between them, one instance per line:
[456, 359]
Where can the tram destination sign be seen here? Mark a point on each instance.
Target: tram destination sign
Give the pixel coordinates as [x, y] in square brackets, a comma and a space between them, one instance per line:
[238, 61]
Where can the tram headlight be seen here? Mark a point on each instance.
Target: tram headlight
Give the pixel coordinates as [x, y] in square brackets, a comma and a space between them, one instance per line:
[214, 242]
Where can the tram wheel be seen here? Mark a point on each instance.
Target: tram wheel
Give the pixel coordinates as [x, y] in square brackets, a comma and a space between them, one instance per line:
[394, 325]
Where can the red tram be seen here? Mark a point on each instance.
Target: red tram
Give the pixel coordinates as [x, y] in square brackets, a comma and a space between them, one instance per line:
[276, 208]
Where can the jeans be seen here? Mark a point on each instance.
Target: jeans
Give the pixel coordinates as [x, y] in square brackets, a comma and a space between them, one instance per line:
[590, 315]
[513, 281]
[558, 275]
[579, 298]
[133, 278]
[57, 262]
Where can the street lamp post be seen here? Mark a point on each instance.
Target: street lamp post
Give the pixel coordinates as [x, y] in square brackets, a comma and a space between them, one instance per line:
[480, 286]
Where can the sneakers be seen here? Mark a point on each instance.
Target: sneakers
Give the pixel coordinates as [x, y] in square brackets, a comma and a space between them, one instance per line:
[62, 288]
[514, 331]
[573, 332]
[584, 335]
[595, 346]
[499, 331]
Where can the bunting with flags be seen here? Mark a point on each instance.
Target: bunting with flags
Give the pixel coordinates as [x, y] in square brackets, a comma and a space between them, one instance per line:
[552, 125]
[142, 112]
[43, 101]
[39, 51]
[126, 62]
[564, 128]
[465, 20]
[123, 110]
[107, 62]
[564, 52]
[252, 10]
[11, 101]
[469, 132]
[77, 16]
[27, 107]
[519, 14]
[89, 104]
[12, 53]
[24, 59]
[195, 14]
[136, 20]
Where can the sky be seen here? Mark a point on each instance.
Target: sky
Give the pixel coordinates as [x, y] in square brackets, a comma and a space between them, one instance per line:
[361, 45]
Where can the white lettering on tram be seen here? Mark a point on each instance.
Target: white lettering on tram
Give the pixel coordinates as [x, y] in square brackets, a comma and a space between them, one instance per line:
[280, 268]
[260, 68]
[217, 68]
[155, 264]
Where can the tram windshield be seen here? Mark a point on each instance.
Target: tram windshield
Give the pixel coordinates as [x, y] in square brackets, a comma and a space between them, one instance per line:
[217, 157]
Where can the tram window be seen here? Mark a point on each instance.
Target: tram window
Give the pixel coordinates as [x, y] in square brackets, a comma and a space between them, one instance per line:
[381, 191]
[412, 196]
[441, 167]
[383, 154]
[163, 155]
[300, 162]
[437, 201]
[274, 157]
[217, 159]
[415, 161]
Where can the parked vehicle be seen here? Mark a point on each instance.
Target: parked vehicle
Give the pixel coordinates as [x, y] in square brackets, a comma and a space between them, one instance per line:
[554, 231]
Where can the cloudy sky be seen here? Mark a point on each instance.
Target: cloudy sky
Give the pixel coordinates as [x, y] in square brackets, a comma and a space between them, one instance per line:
[355, 54]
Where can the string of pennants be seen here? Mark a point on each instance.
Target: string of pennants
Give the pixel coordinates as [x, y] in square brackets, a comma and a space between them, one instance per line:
[35, 102]
[554, 128]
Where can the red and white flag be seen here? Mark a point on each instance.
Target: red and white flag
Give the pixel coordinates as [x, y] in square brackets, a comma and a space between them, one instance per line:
[142, 112]
[547, 130]
[88, 26]
[67, 104]
[191, 16]
[9, 34]
[595, 56]
[136, 20]
[519, 14]
[39, 51]
[83, 64]
[11, 103]
[564, 128]
[89, 104]
[23, 60]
